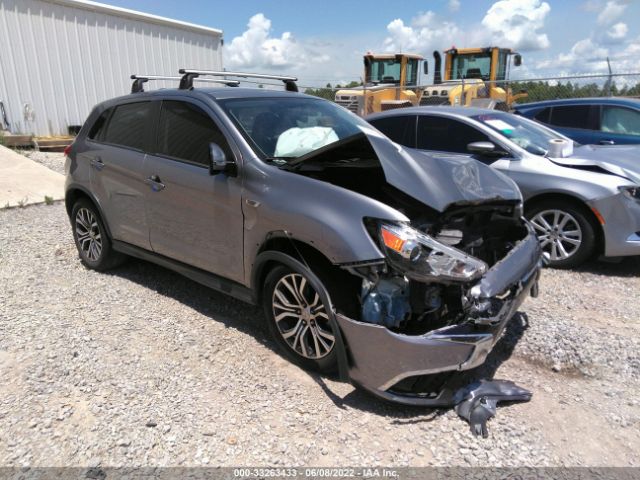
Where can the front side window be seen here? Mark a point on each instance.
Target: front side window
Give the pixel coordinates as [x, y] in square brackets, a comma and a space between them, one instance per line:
[620, 120]
[185, 132]
[412, 72]
[446, 134]
[129, 125]
[571, 116]
[288, 128]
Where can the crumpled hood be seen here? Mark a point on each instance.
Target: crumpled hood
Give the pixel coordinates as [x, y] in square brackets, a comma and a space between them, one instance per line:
[621, 160]
[441, 181]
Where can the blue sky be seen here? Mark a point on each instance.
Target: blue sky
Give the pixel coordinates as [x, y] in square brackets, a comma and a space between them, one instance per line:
[323, 41]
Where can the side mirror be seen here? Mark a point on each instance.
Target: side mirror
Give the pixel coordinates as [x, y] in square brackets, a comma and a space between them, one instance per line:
[517, 60]
[486, 149]
[218, 160]
[425, 68]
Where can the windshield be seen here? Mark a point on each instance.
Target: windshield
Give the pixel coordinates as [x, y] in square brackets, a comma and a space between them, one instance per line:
[526, 134]
[471, 66]
[385, 71]
[288, 128]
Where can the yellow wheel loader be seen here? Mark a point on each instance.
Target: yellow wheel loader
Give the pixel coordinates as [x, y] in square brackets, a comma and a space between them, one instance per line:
[390, 81]
[473, 77]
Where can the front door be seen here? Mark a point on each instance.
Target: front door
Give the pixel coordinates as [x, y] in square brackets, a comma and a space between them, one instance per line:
[194, 217]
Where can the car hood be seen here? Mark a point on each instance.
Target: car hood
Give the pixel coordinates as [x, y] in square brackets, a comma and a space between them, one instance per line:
[620, 160]
[438, 181]
[441, 181]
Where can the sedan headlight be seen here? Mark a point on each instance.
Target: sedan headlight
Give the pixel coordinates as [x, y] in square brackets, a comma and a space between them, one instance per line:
[632, 192]
[420, 257]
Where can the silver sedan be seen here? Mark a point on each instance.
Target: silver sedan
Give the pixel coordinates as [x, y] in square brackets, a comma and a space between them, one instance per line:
[582, 200]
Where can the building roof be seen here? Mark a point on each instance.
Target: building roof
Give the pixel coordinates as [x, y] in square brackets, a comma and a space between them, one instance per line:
[133, 14]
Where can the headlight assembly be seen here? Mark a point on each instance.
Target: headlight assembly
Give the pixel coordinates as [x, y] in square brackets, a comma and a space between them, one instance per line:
[422, 258]
[632, 192]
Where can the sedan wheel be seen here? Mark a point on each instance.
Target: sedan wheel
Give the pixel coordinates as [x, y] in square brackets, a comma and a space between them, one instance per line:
[301, 317]
[559, 233]
[566, 231]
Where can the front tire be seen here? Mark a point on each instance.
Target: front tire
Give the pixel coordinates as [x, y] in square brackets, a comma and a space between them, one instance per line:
[565, 232]
[299, 319]
[90, 235]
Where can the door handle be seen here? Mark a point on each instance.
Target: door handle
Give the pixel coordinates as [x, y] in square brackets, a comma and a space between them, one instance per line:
[155, 183]
[97, 163]
[607, 142]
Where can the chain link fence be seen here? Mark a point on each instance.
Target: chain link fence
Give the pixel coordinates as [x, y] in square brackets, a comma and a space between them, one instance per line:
[522, 90]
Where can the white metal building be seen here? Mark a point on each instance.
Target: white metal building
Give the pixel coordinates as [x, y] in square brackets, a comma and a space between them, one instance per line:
[58, 58]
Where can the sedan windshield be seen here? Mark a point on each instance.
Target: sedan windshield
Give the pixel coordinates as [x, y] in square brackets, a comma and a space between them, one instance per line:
[524, 133]
[282, 129]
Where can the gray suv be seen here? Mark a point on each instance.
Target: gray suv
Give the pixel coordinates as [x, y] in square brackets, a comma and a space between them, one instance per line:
[390, 266]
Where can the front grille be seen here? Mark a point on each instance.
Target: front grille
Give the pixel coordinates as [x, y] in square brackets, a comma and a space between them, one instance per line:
[351, 105]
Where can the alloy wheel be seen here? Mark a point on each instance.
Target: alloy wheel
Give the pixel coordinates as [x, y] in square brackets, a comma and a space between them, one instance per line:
[88, 234]
[301, 317]
[559, 233]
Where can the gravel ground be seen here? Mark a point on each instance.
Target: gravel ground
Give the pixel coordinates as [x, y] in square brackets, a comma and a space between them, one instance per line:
[141, 367]
[52, 160]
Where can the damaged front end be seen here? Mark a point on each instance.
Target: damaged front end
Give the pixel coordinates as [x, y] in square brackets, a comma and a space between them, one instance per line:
[439, 301]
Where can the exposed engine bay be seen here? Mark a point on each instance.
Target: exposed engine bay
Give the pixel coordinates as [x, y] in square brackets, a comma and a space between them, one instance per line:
[433, 262]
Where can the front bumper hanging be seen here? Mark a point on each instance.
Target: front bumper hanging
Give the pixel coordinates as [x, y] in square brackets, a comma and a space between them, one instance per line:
[380, 358]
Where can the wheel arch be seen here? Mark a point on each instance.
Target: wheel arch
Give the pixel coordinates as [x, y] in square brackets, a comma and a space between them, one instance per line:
[279, 248]
[75, 193]
[576, 202]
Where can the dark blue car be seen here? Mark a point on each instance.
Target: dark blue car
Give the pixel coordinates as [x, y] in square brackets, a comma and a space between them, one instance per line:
[604, 121]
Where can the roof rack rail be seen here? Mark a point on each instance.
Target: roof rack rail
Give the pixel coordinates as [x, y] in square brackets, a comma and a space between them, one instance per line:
[140, 80]
[189, 75]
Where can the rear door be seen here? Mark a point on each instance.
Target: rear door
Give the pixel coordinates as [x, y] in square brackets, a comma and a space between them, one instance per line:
[194, 217]
[117, 145]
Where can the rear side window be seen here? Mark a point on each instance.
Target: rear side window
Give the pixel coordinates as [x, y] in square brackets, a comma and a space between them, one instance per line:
[401, 130]
[99, 127]
[543, 115]
[185, 132]
[129, 125]
[571, 116]
[620, 120]
[447, 135]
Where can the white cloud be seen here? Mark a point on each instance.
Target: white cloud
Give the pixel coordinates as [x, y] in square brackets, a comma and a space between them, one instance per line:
[425, 33]
[612, 11]
[454, 5]
[617, 32]
[256, 48]
[585, 55]
[518, 24]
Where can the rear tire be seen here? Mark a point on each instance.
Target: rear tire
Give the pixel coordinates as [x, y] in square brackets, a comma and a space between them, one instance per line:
[90, 235]
[566, 232]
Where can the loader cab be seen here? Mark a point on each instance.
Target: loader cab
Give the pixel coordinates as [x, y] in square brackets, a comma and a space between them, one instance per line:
[399, 69]
[487, 64]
